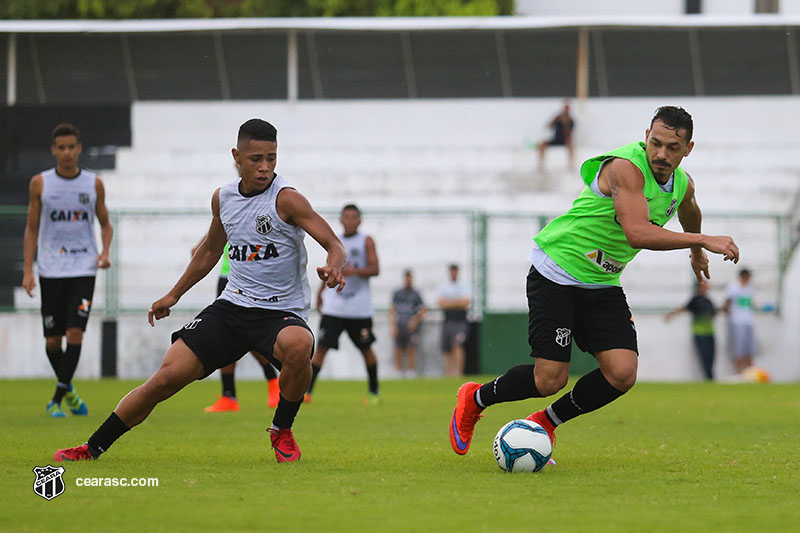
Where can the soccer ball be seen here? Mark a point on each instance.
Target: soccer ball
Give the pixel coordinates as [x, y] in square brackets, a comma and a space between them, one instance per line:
[522, 446]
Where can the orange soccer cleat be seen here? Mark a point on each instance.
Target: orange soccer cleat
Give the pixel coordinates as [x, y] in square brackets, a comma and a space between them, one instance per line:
[223, 403]
[286, 449]
[465, 416]
[274, 392]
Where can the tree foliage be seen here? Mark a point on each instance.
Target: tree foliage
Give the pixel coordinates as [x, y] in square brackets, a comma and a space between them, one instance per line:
[150, 9]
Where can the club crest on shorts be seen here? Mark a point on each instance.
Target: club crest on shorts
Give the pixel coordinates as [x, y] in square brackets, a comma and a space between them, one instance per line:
[264, 224]
[563, 337]
[48, 482]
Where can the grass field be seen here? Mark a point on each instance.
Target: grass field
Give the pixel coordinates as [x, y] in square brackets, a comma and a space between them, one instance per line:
[665, 457]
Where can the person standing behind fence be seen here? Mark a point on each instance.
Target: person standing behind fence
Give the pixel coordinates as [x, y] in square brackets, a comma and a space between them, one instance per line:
[562, 126]
[62, 207]
[351, 309]
[454, 301]
[405, 316]
[739, 308]
[703, 311]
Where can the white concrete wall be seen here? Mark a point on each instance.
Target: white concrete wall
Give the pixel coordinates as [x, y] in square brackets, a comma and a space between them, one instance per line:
[449, 153]
[573, 8]
[666, 349]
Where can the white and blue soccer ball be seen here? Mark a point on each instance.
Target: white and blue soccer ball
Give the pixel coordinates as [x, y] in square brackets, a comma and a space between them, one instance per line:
[522, 446]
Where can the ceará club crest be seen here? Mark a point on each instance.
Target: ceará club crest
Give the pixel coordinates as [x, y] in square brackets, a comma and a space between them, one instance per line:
[264, 224]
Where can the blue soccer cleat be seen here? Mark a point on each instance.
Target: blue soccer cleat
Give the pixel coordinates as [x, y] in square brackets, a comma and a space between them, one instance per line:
[75, 404]
[54, 410]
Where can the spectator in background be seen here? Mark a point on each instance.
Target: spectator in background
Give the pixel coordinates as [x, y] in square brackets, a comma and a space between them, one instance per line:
[702, 310]
[405, 315]
[739, 308]
[454, 300]
[562, 126]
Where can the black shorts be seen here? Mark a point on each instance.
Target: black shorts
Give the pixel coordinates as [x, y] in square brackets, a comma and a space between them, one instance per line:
[223, 332]
[405, 337]
[221, 282]
[358, 329]
[598, 319]
[66, 303]
[454, 333]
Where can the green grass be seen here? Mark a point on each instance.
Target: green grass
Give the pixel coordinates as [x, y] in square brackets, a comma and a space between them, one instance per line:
[665, 457]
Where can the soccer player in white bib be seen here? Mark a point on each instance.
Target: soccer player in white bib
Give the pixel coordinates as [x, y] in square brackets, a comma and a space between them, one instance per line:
[351, 309]
[264, 306]
[62, 207]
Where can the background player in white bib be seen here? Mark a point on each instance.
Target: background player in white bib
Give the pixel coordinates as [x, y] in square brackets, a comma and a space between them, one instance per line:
[62, 207]
[351, 309]
[263, 307]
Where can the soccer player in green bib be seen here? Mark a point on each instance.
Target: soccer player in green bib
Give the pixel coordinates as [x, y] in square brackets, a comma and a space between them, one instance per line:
[573, 286]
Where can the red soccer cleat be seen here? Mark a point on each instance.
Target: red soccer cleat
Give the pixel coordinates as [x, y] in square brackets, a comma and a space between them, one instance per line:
[286, 449]
[78, 453]
[465, 416]
[223, 403]
[274, 392]
[541, 418]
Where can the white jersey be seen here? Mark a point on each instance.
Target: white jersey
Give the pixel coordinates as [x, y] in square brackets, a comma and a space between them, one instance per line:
[740, 296]
[355, 300]
[67, 247]
[267, 256]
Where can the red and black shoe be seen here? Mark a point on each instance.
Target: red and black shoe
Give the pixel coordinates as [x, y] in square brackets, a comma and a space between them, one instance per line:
[286, 448]
[78, 453]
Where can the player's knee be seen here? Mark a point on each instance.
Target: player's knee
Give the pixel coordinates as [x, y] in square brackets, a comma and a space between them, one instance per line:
[295, 346]
[622, 378]
[551, 384]
[164, 383]
[74, 336]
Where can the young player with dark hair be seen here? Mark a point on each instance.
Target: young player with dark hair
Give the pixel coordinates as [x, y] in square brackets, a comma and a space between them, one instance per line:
[62, 207]
[263, 307]
[573, 286]
[351, 309]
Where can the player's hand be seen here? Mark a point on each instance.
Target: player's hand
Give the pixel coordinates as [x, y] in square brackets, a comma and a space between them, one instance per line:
[160, 308]
[699, 261]
[332, 277]
[28, 283]
[722, 244]
[103, 261]
[348, 270]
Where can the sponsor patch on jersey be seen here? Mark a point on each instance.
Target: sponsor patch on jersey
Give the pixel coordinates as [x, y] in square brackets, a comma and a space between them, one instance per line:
[605, 262]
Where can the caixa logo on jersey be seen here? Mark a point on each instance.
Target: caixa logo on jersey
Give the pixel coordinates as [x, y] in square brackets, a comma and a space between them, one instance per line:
[48, 482]
[264, 224]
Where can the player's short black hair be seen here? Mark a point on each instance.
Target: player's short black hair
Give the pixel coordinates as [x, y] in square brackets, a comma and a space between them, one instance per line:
[407, 272]
[744, 272]
[674, 118]
[354, 207]
[257, 130]
[63, 129]
[451, 266]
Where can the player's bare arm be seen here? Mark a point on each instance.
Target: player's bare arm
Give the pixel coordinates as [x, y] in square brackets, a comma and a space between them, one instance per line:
[691, 219]
[293, 208]
[454, 303]
[202, 262]
[106, 230]
[32, 232]
[624, 182]
[371, 268]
